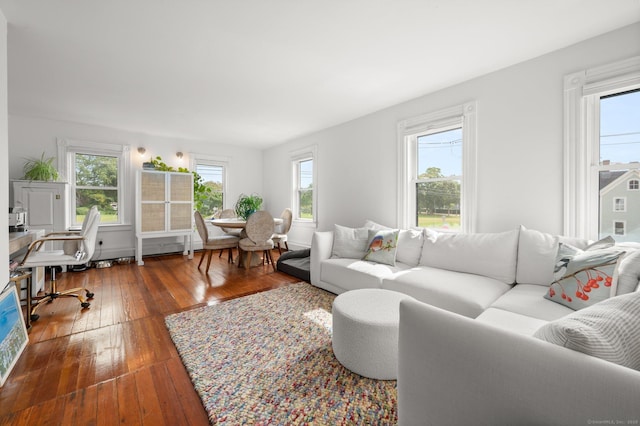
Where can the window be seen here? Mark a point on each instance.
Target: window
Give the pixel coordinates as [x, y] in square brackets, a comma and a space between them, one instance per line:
[619, 205]
[633, 185]
[304, 194]
[212, 176]
[97, 176]
[438, 168]
[602, 152]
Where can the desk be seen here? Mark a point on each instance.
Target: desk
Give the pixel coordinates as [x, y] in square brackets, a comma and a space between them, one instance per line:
[18, 242]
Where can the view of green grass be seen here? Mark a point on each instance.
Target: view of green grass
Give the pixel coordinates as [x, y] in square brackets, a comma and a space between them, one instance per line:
[104, 218]
[439, 221]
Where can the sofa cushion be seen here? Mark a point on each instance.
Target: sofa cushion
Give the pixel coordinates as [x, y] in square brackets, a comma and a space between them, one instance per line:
[410, 246]
[629, 272]
[609, 330]
[351, 274]
[349, 243]
[528, 299]
[511, 321]
[536, 257]
[585, 278]
[465, 294]
[382, 246]
[491, 255]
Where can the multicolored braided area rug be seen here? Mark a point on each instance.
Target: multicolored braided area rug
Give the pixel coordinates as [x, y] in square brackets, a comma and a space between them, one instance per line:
[266, 359]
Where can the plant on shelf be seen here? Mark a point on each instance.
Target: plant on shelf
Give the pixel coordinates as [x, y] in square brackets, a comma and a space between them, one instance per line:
[40, 169]
[201, 192]
[248, 204]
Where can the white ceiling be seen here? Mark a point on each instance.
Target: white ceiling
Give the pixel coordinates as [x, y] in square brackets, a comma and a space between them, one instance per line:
[261, 72]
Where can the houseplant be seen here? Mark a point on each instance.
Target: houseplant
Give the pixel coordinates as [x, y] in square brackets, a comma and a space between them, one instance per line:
[248, 204]
[40, 169]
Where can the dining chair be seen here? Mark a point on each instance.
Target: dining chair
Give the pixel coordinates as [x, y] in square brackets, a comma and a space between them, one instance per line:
[218, 242]
[228, 214]
[280, 236]
[37, 257]
[259, 230]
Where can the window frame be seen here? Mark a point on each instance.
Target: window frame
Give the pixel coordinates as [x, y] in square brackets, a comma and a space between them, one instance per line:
[215, 161]
[635, 183]
[408, 131]
[582, 91]
[622, 201]
[67, 148]
[297, 157]
[624, 227]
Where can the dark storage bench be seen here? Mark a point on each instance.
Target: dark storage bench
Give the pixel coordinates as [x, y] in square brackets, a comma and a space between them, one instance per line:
[296, 263]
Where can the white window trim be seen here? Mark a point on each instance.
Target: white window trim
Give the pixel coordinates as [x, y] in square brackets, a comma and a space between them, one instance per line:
[624, 205]
[580, 140]
[66, 147]
[407, 132]
[213, 160]
[629, 185]
[624, 227]
[310, 152]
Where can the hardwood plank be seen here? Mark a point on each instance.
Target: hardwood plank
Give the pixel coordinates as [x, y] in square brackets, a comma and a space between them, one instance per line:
[115, 362]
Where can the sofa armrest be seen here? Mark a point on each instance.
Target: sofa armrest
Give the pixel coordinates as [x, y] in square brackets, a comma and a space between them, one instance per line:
[321, 246]
[454, 370]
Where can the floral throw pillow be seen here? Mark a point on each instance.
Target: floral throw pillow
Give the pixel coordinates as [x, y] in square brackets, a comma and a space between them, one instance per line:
[584, 278]
[382, 246]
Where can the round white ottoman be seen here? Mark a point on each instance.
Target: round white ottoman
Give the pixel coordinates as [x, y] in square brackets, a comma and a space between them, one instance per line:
[365, 332]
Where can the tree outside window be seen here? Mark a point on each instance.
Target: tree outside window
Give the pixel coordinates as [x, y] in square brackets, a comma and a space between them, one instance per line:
[305, 189]
[96, 183]
[212, 177]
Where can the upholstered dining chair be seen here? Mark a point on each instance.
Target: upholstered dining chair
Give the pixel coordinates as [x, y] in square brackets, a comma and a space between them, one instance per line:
[280, 236]
[37, 257]
[218, 242]
[259, 230]
[228, 214]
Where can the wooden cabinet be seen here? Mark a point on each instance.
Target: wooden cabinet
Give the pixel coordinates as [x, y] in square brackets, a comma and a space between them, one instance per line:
[164, 208]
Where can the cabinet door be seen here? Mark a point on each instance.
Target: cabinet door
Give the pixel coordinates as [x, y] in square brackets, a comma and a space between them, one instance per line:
[153, 191]
[180, 196]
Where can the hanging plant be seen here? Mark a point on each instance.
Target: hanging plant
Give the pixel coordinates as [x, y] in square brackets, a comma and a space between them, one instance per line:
[40, 169]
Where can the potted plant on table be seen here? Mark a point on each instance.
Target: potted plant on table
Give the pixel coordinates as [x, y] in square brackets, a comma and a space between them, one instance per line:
[248, 204]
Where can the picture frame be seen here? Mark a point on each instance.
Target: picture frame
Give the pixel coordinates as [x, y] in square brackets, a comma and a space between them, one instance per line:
[13, 331]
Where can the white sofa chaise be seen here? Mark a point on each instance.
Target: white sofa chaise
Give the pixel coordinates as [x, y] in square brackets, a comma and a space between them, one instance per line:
[466, 344]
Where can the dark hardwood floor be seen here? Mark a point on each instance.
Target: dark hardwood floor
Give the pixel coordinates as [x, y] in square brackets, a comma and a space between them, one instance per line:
[115, 363]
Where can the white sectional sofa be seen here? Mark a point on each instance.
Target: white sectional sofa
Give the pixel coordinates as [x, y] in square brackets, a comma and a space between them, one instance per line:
[467, 353]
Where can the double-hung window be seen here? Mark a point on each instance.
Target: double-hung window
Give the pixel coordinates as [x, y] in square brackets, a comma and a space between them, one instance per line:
[304, 193]
[213, 176]
[602, 152]
[437, 168]
[97, 174]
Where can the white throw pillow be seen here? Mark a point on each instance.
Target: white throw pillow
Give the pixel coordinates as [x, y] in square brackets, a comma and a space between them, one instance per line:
[629, 272]
[382, 246]
[410, 246]
[488, 254]
[350, 243]
[609, 330]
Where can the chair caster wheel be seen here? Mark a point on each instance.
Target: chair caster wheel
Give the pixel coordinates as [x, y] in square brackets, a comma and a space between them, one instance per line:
[90, 295]
[34, 317]
[85, 304]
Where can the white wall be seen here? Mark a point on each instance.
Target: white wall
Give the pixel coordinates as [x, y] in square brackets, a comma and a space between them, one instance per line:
[4, 161]
[520, 146]
[29, 137]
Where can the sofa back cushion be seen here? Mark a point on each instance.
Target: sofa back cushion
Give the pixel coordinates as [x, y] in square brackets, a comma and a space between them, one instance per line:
[488, 254]
[629, 272]
[537, 253]
[409, 243]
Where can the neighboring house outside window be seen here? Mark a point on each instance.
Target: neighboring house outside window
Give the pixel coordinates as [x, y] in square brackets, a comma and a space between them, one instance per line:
[97, 176]
[437, 164]
[304, 189]
[602, 152]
